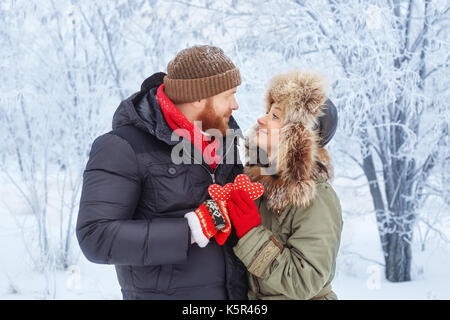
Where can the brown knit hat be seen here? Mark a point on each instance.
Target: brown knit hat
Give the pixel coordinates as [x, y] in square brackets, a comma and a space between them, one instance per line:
[199, 72]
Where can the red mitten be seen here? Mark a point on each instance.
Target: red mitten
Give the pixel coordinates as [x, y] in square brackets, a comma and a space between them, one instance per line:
[222, 235]
[220, 195]
[254, 189]
[201, 224]
[243, 212]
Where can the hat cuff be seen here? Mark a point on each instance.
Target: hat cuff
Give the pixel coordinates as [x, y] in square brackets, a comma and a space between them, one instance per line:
[188, 90]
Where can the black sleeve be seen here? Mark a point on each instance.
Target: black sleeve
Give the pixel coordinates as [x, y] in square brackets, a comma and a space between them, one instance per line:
[105, 229]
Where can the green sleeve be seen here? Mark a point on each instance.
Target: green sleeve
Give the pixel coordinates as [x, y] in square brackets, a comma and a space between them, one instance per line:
[300, 268]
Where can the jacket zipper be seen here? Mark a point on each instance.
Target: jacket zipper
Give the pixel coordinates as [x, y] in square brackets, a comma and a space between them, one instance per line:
[213, 177]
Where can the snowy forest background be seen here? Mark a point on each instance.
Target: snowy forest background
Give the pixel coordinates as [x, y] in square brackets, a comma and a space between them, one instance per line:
[66, 65]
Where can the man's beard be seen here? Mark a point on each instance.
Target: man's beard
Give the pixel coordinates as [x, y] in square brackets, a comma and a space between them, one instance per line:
[211, 120]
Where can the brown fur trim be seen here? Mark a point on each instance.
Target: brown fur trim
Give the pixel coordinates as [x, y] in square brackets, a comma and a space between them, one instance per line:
[301, 162]
[280, 194]
[301, 94]
[297, 152]
[323, 158]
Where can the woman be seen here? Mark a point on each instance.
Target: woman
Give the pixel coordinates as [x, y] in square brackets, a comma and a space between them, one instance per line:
[289, 238]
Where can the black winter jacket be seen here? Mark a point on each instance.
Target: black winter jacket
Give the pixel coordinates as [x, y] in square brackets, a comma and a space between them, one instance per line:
[132, 210]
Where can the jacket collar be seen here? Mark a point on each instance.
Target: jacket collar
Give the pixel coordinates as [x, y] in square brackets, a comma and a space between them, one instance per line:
[141, 109]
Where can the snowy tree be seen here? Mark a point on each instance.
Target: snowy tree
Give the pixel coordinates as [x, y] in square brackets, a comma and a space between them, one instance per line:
[66, 65]
[389, 89]
[386, 61]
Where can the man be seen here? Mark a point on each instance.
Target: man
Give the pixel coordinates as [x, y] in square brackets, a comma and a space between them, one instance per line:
[136, 200]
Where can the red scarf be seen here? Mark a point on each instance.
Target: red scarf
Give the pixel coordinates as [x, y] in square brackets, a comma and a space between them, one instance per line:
[177, 120]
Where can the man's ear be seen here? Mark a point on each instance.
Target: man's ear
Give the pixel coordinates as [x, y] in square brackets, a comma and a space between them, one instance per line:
[199, 104]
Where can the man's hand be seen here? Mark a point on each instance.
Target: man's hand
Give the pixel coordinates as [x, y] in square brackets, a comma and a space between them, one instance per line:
[222, 235]
[243, 212]
[201, 224]
[210, 219]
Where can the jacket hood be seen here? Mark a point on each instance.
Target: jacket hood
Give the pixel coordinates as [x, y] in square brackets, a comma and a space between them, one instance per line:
[142, 110]
[302, 161]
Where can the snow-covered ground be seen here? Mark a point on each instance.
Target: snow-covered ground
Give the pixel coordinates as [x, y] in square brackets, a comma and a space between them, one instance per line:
[359, 272]
[18, 280]
[66, 87]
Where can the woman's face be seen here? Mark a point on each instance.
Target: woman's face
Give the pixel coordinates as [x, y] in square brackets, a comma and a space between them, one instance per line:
[270, 124]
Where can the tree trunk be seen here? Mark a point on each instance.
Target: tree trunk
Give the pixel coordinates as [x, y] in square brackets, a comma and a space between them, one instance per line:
[398, 258]
[395, 244]
[377, 198]
[395, 214]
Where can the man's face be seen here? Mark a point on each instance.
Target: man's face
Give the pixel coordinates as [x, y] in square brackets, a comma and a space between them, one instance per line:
[217, 111]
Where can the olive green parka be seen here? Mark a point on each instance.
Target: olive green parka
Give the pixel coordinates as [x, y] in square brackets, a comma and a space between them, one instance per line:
[292, 254]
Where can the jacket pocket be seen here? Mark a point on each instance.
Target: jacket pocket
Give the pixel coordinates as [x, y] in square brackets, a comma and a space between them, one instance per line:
[145, 277]
[165, 278]
[152, 278]
[172, 188]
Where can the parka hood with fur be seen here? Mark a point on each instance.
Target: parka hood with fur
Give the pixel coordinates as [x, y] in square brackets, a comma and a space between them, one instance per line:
[301, 160]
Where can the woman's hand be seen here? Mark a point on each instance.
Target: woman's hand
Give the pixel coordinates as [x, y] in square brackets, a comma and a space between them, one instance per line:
[243, 212]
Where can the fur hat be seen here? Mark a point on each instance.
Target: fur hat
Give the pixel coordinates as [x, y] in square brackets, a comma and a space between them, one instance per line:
[302, 161]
